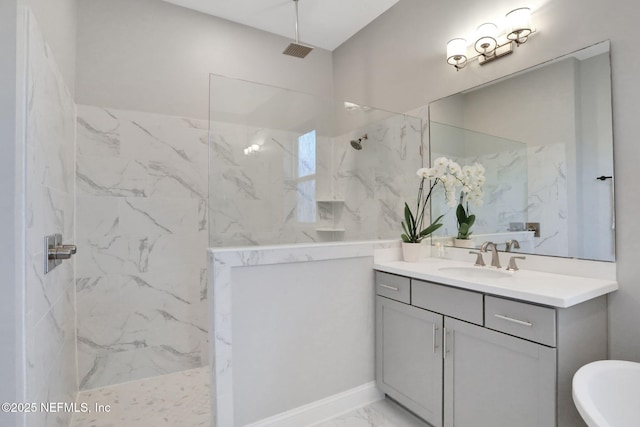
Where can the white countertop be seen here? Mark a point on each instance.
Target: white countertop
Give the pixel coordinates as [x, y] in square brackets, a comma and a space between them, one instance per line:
[557, 290]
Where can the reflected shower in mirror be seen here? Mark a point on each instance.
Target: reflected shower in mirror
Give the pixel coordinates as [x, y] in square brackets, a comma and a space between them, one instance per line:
[544, 136]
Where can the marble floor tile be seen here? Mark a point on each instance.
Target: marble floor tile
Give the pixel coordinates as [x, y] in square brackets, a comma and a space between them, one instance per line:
[384, 413]
[182, 400]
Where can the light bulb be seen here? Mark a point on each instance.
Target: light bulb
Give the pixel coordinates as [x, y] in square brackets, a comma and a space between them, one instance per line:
[457, 53]
[487, 34]
[519, 24]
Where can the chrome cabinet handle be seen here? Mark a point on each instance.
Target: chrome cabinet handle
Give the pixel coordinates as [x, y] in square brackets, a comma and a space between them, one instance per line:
[511, 319]
[444, 343]
[393, 288]
[435, 346]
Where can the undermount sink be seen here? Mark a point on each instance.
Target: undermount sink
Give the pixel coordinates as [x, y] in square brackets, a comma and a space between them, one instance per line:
[606, 393]
[474, 272]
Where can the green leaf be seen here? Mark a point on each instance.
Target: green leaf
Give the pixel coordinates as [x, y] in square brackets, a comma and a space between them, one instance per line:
[408, 216]
[461, 214]
[405, 238]
[471, 219]
[464, 229]
[404, 227]
[430, 229]
[411, 229]
[433, 227]
[437, 220]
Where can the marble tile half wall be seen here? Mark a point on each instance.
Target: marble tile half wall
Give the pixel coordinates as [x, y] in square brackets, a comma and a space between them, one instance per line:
[142, 225]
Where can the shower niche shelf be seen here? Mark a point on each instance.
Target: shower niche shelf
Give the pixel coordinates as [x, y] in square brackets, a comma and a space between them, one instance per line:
[330, 210]
[329, 200]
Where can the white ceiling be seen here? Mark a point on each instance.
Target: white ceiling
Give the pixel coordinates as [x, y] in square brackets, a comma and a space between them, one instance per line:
[323, 23]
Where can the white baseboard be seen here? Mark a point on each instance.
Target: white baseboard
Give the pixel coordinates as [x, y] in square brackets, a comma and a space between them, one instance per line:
[324, 409]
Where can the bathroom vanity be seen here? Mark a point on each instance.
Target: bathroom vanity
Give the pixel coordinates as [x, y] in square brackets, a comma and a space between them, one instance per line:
[473, 346]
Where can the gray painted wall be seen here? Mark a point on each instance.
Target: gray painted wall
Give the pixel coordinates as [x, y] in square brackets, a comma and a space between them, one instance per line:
[398, 63]
[152, 56]
[306, 336]
[10, 376]
[57, 19]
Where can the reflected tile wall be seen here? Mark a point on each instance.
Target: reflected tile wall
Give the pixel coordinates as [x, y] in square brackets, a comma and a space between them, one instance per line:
[547, 197]
[505, 193]
[521, 186]
[142, 224]
[50, 327]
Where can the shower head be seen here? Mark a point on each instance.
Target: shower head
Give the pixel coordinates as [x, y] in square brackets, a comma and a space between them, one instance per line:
[357, 143]
[296, 49]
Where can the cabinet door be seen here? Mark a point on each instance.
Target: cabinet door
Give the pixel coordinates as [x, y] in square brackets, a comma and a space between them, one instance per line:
[492, 379]
[409, 357]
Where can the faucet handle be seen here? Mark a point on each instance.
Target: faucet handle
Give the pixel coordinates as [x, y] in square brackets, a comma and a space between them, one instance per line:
[512, 263]
[486, 246]
[512, 243]
[479, 260]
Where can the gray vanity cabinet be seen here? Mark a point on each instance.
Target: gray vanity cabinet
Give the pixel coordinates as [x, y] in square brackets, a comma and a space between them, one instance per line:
[492, 379]
[410, 357]
[461, 358]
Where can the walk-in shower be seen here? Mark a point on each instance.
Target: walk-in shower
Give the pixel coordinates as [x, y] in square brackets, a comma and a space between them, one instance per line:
[283, 168]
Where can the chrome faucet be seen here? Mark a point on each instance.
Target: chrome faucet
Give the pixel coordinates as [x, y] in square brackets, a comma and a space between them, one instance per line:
[495, 259]
[510, 243]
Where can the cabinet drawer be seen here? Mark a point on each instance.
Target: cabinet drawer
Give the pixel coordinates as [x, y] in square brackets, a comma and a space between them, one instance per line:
[528, 321]
[458, 303]
[394, 287]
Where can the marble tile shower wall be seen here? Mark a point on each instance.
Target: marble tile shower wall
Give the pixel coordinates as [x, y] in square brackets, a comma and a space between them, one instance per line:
[50, 145]
[376, 181]
[142, 228]
[255, 199]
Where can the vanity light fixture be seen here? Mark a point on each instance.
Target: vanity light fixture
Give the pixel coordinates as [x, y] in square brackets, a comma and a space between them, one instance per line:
[491, 43]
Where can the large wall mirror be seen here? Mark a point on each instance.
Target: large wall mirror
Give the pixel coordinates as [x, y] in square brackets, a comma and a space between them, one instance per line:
[545, 139]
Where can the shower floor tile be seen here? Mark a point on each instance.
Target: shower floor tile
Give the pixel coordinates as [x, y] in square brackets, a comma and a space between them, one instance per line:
[175, 400]
[182, 400]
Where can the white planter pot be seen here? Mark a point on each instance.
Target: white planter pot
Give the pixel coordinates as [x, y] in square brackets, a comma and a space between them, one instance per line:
[411, 251]
[464, 243]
